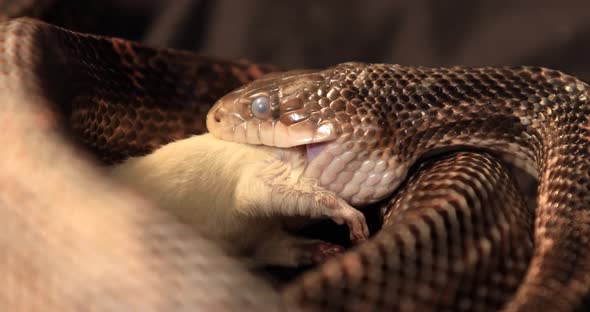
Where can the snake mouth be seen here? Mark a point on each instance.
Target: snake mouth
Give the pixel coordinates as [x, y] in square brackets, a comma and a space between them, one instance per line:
[304, 137]
[319, 143]
[233, 126]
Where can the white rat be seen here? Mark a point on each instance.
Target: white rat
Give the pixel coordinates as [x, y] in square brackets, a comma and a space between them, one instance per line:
[235, 194]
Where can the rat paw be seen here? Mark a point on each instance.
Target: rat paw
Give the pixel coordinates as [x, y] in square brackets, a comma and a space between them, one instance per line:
[355, 220]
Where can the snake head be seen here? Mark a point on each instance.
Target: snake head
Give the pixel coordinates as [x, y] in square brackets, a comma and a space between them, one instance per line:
[331, 113]
[280, 109]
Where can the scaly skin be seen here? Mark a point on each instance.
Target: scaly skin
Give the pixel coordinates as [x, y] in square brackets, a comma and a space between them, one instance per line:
[374, 121]
[450, 242]
[72, 240]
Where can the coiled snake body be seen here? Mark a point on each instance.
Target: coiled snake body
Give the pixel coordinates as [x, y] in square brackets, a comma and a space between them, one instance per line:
[375, 120]
[458, 236]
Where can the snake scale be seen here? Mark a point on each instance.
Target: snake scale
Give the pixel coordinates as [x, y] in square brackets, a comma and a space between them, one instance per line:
[458, 235]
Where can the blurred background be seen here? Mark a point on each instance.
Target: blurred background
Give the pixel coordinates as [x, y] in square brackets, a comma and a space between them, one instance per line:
[313, 34]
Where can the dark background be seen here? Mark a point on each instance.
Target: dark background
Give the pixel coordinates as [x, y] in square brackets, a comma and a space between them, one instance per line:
[308, 33]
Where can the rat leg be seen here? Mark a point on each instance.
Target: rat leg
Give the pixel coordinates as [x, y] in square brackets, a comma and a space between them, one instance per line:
[274, 188]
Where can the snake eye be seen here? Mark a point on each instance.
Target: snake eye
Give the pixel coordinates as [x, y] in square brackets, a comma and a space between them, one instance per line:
[261, 107]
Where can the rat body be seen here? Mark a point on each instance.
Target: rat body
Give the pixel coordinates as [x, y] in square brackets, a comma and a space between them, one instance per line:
[236, 193]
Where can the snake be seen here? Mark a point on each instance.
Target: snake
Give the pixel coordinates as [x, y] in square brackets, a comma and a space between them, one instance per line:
[457, 235]
[364, 125]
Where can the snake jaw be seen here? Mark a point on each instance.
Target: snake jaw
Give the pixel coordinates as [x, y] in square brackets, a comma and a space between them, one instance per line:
[304, 133]
[273, 133]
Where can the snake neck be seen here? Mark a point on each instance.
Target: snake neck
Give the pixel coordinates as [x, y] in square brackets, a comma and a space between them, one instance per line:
[397, 115]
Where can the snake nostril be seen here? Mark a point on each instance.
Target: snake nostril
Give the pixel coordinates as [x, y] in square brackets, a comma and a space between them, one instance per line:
[217, 116]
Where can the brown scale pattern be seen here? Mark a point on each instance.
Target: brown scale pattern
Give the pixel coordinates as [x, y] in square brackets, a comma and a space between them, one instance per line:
[127, 99]
[63, 222]
[426, 108]
[450, 242]
[535, 115]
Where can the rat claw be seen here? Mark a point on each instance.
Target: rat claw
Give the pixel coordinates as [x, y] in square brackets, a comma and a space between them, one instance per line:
[354, 219]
